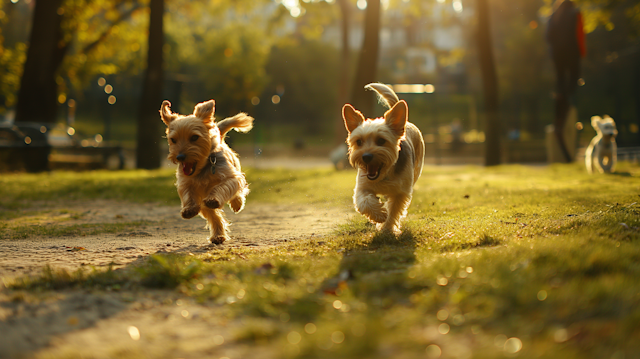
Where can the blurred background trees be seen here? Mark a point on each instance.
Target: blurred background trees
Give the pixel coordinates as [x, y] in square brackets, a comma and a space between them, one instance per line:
[293, 64]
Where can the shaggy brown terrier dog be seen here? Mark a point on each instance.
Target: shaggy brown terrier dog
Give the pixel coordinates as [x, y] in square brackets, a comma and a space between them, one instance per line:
[388, 153]
[209, 173]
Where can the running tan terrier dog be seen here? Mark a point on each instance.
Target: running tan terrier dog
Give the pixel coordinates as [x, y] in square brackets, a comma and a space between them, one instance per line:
[388, 153]
[208, 173]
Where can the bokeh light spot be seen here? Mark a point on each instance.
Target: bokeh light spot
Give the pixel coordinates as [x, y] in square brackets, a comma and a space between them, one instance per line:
[444, 328]
[433, 351]
[134, 332]
[337, 337]
[218, 340]
[560, 335]
[275, 99]
[108, 89]
[294, 337]
[542, 295]
[310, 328]
[512, 345]
[442, 314]
[111, 99]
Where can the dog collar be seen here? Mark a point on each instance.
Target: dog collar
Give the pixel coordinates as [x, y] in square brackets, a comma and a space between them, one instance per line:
[213, 160]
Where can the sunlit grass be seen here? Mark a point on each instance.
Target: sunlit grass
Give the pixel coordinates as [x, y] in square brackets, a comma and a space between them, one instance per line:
[62, 230]
[492, 262]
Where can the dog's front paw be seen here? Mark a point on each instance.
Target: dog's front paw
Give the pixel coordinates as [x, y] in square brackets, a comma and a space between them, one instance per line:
[190, 212]
[218, 239]
[212, 203]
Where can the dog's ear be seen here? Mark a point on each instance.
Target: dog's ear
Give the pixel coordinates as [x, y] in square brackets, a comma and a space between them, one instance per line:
[352, 117]
[166, 114]
[205, 110]
[396, 117]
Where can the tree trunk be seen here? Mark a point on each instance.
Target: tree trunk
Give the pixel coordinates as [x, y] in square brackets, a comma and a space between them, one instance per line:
[345, 65]
[490, 86]
[38, 93]
[149, 126]
[367, 69]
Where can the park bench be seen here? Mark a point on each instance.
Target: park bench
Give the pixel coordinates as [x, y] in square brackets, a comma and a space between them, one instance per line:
[35, 147]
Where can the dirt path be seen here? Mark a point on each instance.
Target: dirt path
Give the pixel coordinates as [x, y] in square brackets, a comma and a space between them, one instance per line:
[257, 225]
[74, 324]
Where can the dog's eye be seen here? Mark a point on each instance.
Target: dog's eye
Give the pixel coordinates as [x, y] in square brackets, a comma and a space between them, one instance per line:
[194, 138]
[359, 142]
[380, 142]
[173, 140]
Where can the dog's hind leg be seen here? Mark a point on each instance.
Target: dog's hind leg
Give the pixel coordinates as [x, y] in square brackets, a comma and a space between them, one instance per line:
[217, 225]
[369, 205]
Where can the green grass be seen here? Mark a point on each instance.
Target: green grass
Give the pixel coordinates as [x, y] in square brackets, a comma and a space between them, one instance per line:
[61, 230]
[492, 262]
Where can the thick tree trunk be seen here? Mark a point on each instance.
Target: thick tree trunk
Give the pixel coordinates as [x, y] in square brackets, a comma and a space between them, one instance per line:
[368, 61]
[490, 86]
[345, 65]
[149, 126]
[38, 93]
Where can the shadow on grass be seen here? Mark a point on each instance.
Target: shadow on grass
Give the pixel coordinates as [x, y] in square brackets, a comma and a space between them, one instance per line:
[32, 326]
[85, 298]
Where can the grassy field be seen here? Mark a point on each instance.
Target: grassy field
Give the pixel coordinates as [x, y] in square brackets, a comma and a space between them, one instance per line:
[492, 262]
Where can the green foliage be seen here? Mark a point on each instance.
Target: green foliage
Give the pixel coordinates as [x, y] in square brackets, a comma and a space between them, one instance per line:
[11, 60]
[225, 62]
[305, 75]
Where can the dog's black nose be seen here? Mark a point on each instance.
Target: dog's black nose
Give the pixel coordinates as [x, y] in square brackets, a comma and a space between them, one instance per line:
[367, 157]
[181, 157]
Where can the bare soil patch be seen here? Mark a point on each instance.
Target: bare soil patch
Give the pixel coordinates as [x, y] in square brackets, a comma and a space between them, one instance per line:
[163, 231]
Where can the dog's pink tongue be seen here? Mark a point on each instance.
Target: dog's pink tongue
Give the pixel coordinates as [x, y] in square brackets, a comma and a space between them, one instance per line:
[187, 168]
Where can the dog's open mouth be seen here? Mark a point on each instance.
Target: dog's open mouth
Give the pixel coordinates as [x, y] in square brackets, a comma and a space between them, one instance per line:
[188, 168]
[373, 171]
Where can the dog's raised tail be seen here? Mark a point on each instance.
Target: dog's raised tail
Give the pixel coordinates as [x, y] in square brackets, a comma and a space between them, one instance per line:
[240, 122]
[385, 94]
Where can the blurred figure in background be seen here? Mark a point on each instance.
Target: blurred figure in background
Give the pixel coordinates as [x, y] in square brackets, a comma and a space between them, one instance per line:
[566, 39]
[456, 134]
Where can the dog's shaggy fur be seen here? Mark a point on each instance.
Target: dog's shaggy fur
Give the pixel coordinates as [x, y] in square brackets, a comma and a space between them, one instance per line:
[602, 151]
[209, 173]
[388, 153]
